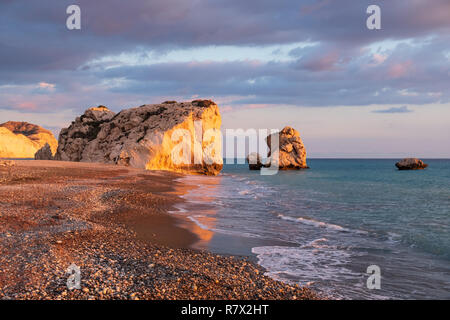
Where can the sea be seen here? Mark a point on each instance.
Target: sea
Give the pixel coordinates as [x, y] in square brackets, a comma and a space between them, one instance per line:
[347, 228]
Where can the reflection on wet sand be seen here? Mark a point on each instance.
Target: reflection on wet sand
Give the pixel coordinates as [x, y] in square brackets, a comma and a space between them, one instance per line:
[204, 235]
[199, 201]
[202, 215]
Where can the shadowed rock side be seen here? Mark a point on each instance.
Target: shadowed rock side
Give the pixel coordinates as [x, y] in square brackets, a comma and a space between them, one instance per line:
[254, 161]
[411, 164]
[142, 137]
[23, 140]
[45, 153]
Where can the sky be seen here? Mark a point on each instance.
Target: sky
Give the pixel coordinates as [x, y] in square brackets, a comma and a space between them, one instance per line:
[313, 65]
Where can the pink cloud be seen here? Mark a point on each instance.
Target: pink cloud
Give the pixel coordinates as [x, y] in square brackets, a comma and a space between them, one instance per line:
[326, 63]
[256, 106]
[379, 58]
[398, 70]
[226, 109]
[45, 85]
[308, 9]
[27, 106]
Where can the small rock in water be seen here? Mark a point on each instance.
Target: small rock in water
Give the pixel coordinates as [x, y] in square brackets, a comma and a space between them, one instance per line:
[411, 164]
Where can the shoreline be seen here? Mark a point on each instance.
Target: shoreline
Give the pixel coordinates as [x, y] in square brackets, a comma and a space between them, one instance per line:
[213, 240]
[113, 223]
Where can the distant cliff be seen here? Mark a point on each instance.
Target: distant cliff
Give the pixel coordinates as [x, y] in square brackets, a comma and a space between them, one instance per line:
[167, 136]
[23, 139]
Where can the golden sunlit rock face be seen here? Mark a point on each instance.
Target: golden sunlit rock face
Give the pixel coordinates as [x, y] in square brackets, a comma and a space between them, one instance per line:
[182, 137]
[23, 140]
[192, 145]
[289, 153]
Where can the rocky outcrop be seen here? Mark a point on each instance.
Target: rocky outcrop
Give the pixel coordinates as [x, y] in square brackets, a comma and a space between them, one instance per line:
[168, 136]
[286, 150]
[36, 134]
[23, 140]
[45, 153]
[254, 161]
[74, 140]
[289, 153]
[411, 164]
[15, 146]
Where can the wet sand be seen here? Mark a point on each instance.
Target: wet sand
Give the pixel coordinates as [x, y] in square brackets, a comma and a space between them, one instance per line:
[112, 222]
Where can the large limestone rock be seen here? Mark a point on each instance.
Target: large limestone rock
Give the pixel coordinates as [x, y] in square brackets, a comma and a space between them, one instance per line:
[23, 140]
[411, 164]
[289, 153]
[169, 136]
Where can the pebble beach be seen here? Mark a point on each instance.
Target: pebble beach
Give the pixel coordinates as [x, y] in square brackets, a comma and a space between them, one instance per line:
[112, 223]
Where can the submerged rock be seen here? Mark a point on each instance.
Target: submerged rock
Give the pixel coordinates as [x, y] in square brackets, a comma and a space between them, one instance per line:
[23, 139]
[411, 164]
[254, 161]
[168, 136]
[290, 153]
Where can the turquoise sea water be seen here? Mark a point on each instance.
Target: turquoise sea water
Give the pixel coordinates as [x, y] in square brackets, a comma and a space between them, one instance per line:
[324, 226]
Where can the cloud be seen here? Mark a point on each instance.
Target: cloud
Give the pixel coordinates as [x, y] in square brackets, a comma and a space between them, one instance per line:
[403, 109]
[399, 70]
[34, 34]
[404, 63]
[45, 85]
[326, 62]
